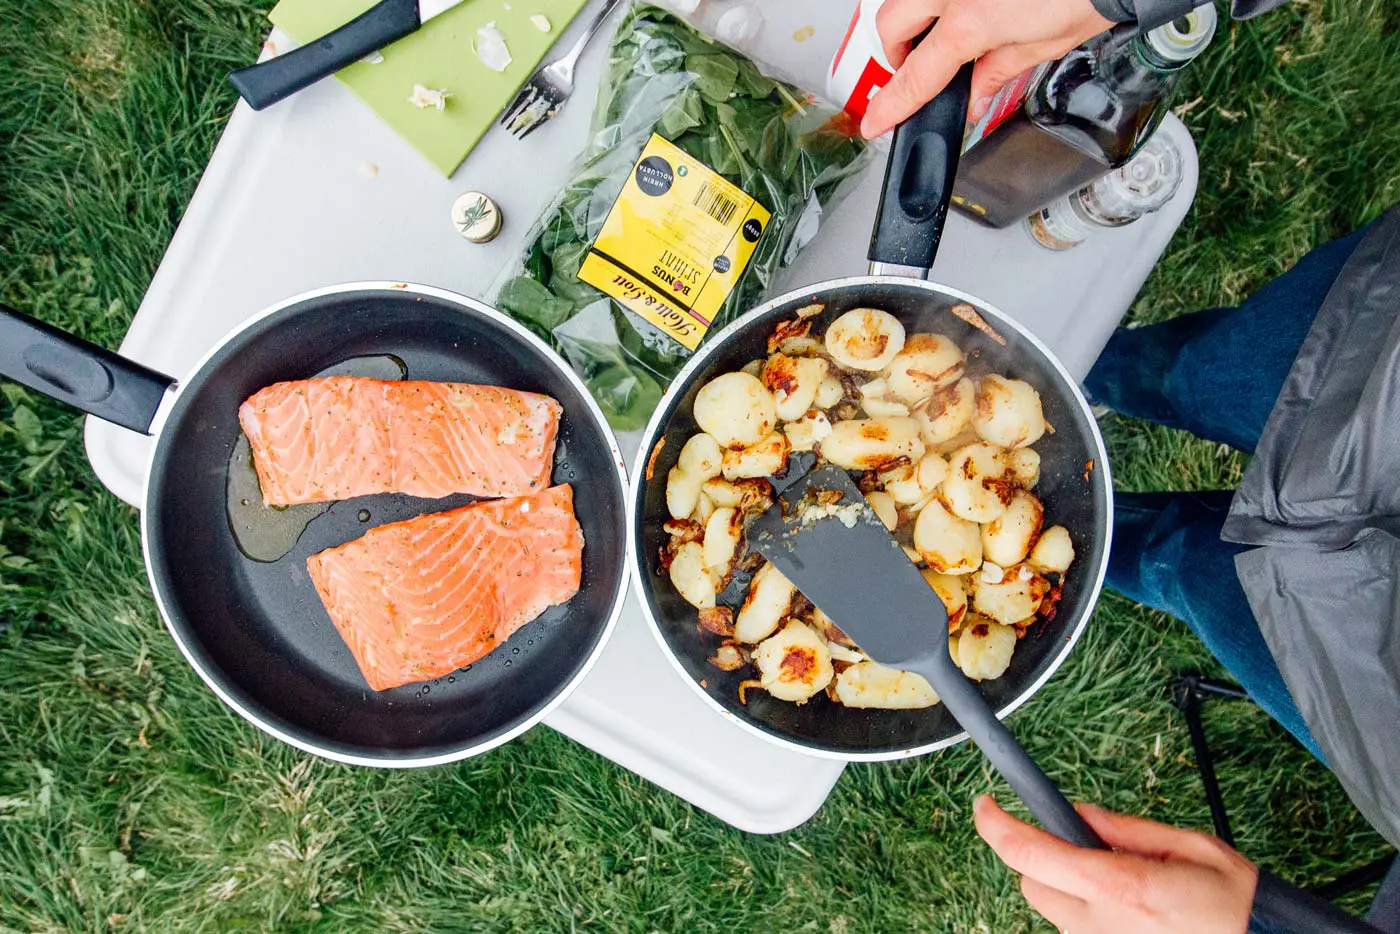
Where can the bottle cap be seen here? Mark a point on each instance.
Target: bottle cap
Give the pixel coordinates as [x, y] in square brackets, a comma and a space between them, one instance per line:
[1152, 176]
[1143, 185]
[1186, 36]
[476, 217]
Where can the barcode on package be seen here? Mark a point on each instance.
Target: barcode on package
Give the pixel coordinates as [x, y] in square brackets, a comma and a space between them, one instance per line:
[716, 203]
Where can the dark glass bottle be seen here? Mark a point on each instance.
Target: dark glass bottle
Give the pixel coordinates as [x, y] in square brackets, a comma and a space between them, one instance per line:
[1061, 126]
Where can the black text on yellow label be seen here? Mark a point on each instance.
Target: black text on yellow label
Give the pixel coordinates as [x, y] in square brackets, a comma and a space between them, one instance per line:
[675, 242]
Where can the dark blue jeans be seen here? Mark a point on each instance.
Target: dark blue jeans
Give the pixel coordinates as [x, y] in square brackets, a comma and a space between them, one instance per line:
[1215, 374]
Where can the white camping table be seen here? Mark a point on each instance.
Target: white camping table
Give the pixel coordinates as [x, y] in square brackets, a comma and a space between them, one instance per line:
[286, 204]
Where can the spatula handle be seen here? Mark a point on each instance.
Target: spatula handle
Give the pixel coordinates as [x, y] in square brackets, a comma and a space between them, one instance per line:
[1045, 801]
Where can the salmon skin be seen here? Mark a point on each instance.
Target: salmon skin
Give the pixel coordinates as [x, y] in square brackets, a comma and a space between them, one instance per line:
[338, 437]
[418, 599]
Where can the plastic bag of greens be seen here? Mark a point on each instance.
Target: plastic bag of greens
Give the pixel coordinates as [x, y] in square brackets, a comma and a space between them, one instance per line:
[702, 177]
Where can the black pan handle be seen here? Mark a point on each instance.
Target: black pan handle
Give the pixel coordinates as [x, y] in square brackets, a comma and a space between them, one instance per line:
[266, 83]
[970, 709]
[919, 178]
[83, 375]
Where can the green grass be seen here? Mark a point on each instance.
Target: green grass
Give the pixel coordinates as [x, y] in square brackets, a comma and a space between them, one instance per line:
[131, 801]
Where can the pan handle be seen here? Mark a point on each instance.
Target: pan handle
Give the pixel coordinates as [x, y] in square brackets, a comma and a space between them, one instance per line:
[919, 182]
[81, 374]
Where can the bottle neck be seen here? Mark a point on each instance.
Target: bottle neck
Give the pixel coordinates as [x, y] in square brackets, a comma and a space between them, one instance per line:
[1147, 56]
[1138, 71]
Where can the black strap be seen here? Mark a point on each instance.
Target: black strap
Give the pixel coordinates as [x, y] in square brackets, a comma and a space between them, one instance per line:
[1279, 908]
[1116, 11]
[1149, 14]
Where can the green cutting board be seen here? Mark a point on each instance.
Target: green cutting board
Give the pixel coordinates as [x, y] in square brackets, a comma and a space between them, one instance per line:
[439, 55]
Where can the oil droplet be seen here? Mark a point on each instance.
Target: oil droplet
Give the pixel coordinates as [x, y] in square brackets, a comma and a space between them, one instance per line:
[427, 688]
[507, 663]
[529, 641]
[363, 515]
[515, 651]
[451, 679]
[468, 668]
[243, 502]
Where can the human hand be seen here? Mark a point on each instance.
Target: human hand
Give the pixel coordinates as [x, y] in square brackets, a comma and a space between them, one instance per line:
[1005, 37]
[1160, 880]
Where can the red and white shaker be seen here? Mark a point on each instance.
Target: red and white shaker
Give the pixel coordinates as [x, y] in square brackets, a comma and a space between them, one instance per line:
[860, 67]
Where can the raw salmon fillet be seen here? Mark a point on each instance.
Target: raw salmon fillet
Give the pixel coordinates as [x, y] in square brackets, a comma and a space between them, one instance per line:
[342, 436]
[417, 599]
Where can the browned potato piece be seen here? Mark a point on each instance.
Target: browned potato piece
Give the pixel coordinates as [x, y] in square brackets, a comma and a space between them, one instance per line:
[1025, 464]
[910, 484]
[871, 685]
[794, 382]
[927, 363]
[1007, 539]
[865, 339]
[875, 398]
[699, 461]
[1008, 412]
[736, 410]
[985, 649]
[830, 393]
[809, 431]
[884, 506]
[770, 594]
[872, 443]
[721, 542]
[947, 543]
[979, 485]
[794, 664]
[1053, 551]
[1012, 599]
[947, 413]
[763, 459]
[952, 592]
[690, 578]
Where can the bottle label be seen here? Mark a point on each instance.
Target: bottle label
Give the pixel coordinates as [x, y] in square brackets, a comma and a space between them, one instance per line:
[1055, 227]
[675, 242]
[1005, 103]
[860, 68]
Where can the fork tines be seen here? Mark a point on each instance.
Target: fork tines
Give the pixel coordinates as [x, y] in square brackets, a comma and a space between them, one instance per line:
[536, 104]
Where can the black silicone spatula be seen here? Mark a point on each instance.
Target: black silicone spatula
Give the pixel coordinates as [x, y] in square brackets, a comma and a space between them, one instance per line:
[839, 554]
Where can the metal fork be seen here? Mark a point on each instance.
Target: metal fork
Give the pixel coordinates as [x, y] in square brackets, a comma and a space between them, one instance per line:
[550, 86]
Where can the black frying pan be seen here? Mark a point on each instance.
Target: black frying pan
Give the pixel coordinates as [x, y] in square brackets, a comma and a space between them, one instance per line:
[1074, 495]
[1074, 486]
[256, 631]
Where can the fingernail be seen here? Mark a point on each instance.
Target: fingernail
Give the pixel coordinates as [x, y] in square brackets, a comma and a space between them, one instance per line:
[866, 126]
[982, 803]
[980, 107]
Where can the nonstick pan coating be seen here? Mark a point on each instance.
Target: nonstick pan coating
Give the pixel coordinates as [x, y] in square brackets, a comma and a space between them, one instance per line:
[1074, 487]
[258, 633]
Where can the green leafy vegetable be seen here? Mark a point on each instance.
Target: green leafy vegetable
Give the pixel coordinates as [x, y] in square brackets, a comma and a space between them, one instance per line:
[663, 77]
[534, 305]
